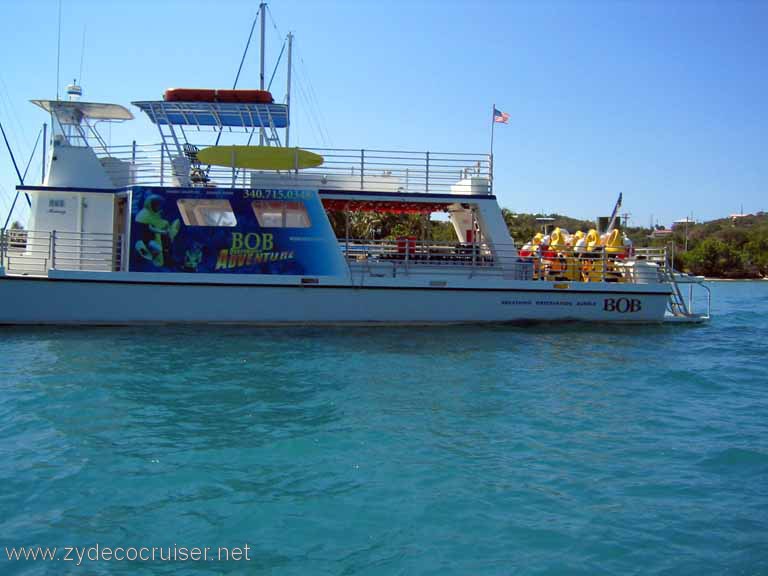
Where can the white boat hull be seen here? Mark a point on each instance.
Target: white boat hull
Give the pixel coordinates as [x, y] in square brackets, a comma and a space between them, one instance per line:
[27, 300]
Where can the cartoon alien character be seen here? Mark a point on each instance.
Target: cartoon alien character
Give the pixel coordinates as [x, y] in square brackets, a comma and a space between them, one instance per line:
[156, 233]
[193, 257]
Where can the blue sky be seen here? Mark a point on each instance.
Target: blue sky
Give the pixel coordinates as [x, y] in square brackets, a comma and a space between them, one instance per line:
[664, 101]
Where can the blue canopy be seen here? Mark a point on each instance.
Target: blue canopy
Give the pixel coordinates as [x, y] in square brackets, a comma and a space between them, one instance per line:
[220, 114]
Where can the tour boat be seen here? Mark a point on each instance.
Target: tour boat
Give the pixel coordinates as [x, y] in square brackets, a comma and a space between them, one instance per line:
[193, 229]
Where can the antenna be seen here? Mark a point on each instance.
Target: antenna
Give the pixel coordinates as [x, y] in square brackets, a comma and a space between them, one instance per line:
[82, 56]
[58, 54]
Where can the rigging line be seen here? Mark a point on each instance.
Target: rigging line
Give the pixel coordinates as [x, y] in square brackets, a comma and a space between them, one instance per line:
[320, 113]
[247, 45]
[310, 85]
[310, 98]
[315, 99]
[10, 212]
[4, 198]
[13, 159]
[269, 86]
[309, 113]
[31, 156]
[312, 109]
[274, 24]
[301, 97]
[239, 69]
[10, 151]
[21, 141]
[299, 105]
[278, 34]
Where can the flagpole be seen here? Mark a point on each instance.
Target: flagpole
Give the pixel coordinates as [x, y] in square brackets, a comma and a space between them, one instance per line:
[493, 125]
[490, 159]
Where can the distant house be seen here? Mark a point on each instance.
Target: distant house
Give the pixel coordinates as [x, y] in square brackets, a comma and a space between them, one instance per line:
[661, 233]
[736, 217]
[683, 222]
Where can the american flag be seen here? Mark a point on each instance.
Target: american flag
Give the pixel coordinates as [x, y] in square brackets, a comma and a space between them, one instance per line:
[499, 116]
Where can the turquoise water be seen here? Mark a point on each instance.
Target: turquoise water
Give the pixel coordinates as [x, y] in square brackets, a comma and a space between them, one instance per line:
[510, 450]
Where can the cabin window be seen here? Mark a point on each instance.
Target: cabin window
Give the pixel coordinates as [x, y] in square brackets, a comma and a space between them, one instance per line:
[206, 212]
[281, 214]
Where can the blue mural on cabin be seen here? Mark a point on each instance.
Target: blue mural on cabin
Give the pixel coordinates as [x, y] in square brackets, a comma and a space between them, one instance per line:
[219, 232]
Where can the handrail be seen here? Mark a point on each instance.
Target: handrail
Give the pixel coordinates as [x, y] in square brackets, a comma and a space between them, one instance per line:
[343, 169]
[562, 265]
[30, 251]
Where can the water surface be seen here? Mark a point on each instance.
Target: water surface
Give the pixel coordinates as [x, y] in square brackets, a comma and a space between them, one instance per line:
[573, 448]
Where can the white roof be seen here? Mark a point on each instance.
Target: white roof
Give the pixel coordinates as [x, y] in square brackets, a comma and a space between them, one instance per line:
[92, 110]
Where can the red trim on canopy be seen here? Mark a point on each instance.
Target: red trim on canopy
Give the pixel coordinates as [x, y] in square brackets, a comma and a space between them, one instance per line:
[389, 206]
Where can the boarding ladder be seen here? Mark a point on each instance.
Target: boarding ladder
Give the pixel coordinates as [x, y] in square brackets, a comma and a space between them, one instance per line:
[680, 309]
[677, 304]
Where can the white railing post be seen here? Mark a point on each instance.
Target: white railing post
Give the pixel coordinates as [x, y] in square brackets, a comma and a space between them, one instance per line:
[234, 174]
[362, 169]
[407, 250]
[605, 264]
[52, 248]
[539, 273]
[162, 164]
[407, 183]
[426, 178]
[490, 173]
[116, 254]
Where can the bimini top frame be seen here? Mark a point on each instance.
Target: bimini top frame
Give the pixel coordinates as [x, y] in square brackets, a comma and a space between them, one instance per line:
[172, 117]
[74, 122]
[85, 110]
[218, 115]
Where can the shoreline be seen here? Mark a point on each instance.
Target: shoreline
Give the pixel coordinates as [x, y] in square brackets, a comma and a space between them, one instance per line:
[714, 279]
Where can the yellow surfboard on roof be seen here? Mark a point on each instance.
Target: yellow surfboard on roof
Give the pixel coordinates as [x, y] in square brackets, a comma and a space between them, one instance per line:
[259, 157]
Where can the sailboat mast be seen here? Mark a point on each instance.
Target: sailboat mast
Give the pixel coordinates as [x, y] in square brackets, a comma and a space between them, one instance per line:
[262, 11]
[288, 95]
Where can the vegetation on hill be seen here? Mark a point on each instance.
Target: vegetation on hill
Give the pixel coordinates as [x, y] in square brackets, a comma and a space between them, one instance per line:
[726, 248]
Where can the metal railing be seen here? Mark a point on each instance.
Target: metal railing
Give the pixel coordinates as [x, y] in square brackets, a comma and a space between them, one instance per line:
[34, 253]
[644, 266]
[406, 255]
[343, 169]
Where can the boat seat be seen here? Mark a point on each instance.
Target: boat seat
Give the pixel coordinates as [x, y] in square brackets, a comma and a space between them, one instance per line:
[197, 176]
